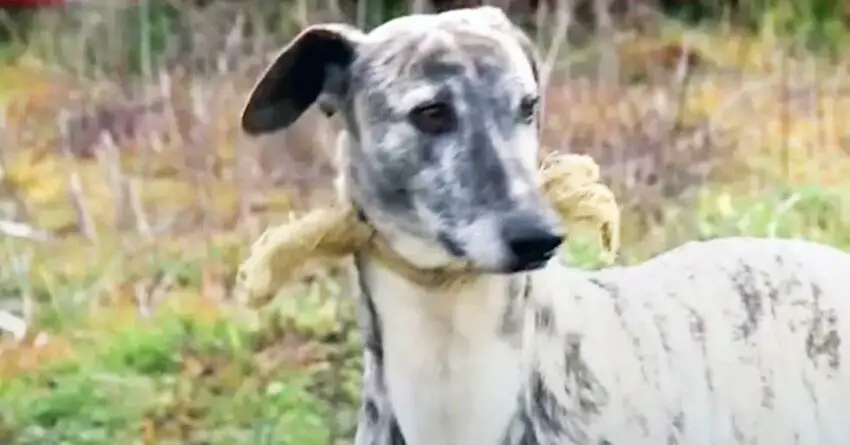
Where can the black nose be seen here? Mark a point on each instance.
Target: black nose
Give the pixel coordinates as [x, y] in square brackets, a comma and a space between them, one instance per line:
[531, 241]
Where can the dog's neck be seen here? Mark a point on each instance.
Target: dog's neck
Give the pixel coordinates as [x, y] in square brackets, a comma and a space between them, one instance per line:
[443, 350]
[450, 357]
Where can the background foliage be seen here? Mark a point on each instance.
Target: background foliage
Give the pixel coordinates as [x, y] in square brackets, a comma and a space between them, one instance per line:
[128, 196]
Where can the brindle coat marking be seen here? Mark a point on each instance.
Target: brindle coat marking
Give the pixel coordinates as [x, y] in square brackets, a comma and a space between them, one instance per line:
[733, 341]
[710, 343]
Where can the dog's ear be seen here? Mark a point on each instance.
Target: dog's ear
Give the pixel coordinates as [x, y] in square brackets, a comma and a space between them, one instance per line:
[319, 55]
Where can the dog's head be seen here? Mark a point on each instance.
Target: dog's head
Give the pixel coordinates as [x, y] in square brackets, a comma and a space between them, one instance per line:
[441, 116]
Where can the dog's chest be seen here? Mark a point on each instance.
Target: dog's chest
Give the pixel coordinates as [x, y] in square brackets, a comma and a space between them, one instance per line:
[452, 374]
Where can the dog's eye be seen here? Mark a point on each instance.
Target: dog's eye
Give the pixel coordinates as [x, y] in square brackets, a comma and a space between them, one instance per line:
[434, 118]
[528, 108]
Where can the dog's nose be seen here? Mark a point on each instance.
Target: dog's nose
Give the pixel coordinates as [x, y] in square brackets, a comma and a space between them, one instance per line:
[531, 241]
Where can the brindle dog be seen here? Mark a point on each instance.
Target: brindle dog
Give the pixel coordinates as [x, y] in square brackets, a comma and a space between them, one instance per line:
[731, 341]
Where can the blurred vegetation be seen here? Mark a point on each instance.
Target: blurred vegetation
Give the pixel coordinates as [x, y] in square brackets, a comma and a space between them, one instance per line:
[119, 152]
[151, 30]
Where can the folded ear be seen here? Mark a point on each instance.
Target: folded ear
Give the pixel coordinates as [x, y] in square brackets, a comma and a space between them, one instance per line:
[298, 75]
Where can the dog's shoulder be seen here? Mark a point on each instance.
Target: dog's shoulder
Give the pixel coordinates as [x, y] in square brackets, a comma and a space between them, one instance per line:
[733, 306]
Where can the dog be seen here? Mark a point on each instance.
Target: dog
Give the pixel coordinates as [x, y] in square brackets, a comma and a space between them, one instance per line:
[729, 341]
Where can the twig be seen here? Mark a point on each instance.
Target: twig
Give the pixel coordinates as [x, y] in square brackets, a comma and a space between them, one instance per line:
[21, 263]
[681, 81]
[361, 18]
[110, 161]
[8, 138]
[75, 184]
[562, 23]
[418, 6]
[145, 54]
[137, 208]
[608, 66]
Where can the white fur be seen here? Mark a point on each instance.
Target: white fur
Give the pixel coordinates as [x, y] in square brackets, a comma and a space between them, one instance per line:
[764, 390]
[452, 380]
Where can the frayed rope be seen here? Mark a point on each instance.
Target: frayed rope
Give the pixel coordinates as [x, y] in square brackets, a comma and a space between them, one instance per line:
[291, 251]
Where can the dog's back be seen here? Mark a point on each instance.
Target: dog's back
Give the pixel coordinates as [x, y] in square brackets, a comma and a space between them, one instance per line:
[730, 341]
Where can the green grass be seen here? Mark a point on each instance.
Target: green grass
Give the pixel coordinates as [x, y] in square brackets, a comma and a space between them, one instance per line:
[176, 379]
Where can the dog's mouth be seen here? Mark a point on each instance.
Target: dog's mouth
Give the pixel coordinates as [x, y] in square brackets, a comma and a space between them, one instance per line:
[451, 246]
[516, 263]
